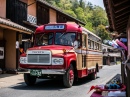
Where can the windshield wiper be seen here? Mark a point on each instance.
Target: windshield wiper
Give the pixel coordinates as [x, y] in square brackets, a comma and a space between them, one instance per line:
[41, 36]
[50, 38]
[60, 36]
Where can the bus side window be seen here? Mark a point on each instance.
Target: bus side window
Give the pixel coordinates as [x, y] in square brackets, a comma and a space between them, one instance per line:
[95, 46]
[89, 43]
[83, 40]
[92, 44]
[99, 47]
[79, 38]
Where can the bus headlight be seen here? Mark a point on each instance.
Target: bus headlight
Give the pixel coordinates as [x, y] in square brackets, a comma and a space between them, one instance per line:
[57, 61]
[23, 60]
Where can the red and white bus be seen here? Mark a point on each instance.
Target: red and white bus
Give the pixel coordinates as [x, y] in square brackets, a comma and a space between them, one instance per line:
[62, 50]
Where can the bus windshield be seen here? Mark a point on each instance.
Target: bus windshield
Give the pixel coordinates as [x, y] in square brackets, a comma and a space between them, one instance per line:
[65, 38]
[61, 38]
[44, 39]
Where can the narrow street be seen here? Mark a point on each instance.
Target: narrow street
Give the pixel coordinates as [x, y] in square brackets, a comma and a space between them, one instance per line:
[55, 88]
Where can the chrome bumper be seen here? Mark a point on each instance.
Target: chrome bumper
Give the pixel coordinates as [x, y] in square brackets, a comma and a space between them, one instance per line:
[53, 71]
[49, 71]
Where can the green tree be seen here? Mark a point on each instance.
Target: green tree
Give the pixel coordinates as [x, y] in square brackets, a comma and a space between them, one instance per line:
[98, 17]
[90, 5]
[51, 2]
[89, 26]
[75, 4]
[82, 4]
[80, 14]
[70, 12]
[64, 4]
[102, 33]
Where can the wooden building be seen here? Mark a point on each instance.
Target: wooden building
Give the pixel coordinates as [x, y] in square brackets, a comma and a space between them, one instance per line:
[118, 13]
[111, 56]
[18, 20]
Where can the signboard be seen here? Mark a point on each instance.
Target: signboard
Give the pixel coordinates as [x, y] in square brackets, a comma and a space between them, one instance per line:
[1, 52]
[55, 27]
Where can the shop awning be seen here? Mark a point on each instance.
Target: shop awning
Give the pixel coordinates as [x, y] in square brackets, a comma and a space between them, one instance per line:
[4, 23]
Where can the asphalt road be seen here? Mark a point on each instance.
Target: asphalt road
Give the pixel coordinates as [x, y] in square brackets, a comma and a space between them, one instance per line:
[55, 88]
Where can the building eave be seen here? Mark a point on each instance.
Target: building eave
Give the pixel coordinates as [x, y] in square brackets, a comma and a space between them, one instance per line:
[7, 24]
[118, 14]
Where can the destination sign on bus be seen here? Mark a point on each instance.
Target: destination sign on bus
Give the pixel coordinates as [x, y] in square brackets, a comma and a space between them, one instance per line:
[54, 27]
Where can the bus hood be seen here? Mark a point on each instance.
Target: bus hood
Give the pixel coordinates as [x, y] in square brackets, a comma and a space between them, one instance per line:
[55, 49]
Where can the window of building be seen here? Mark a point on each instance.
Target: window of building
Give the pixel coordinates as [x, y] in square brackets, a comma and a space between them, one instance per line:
[42, 14]
[16, 11]
[61, 18]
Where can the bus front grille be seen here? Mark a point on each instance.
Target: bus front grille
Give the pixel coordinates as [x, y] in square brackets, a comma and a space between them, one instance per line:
[39, 58]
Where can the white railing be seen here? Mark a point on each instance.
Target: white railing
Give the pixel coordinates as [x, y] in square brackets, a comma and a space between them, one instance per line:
[32, 19]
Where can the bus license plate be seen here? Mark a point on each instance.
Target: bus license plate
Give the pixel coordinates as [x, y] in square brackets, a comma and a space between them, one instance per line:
[34, 72]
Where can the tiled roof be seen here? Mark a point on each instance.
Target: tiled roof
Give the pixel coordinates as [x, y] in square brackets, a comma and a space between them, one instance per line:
[14, 25]
[55, 8]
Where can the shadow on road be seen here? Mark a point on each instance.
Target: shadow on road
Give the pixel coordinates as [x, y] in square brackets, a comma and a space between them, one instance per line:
[41, 85]
[46, 84]
[83, 81]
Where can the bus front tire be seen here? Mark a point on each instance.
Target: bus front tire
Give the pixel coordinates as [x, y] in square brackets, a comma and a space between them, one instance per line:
[68, 78]
[29, 80]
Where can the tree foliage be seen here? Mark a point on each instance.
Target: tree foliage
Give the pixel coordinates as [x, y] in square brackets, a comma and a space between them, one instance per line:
[94, 16]
[102, 33]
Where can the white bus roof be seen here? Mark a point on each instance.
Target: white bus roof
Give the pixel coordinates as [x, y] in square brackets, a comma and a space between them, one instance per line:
[84, 29]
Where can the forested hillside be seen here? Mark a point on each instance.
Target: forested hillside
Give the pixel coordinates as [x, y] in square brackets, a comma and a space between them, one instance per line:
[94, 16]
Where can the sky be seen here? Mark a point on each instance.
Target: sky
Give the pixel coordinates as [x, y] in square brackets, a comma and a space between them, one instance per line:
[97, 2]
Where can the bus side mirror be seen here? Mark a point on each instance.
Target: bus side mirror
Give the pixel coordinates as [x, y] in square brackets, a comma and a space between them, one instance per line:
[76, 44]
